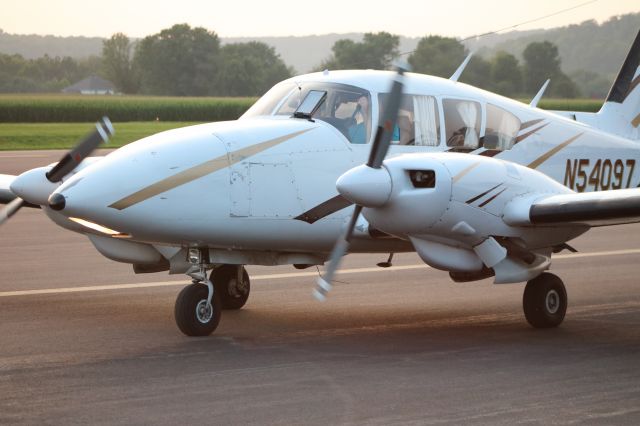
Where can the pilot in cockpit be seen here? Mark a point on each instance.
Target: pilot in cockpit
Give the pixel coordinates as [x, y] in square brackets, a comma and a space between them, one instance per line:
[361, 122]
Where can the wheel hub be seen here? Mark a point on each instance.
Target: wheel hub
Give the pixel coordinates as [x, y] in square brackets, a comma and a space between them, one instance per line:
[552, 301]
[237, 288]
[204, 311]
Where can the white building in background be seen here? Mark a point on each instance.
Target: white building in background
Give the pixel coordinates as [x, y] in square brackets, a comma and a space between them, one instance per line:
[92, 85]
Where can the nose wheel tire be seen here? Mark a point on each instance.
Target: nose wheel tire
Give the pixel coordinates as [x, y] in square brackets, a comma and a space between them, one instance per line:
[545, 301]
[194, 316]
[233, 294]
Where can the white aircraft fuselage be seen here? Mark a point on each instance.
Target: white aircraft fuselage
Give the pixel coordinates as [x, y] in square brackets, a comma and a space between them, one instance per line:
[476, 184]
[240, 184]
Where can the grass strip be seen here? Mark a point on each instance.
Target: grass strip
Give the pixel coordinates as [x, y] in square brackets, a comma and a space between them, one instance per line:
[26, 136]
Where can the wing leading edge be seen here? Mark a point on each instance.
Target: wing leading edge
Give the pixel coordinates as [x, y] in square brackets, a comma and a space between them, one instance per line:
[592, 208]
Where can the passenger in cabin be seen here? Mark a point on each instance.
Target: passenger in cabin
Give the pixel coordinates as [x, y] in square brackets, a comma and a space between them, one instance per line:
[462, 120]
[406, 129]
[395, 136]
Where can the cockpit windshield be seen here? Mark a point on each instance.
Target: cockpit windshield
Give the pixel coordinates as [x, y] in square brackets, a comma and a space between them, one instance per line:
[270, 100]
[345, 107]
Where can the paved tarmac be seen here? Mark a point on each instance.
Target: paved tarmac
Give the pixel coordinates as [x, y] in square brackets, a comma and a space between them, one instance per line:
[80, 345]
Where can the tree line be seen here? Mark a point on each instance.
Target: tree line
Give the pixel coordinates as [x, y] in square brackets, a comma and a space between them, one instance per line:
[440, 56]
[186, 61]
[177, 61]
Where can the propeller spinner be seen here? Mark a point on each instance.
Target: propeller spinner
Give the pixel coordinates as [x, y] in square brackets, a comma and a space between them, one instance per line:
[34, 186]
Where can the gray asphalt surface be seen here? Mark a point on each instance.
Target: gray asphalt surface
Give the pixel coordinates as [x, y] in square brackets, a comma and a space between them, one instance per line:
[389, 347]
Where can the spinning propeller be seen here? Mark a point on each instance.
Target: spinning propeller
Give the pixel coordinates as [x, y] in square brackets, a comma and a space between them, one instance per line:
[370, 179]
[34, 186]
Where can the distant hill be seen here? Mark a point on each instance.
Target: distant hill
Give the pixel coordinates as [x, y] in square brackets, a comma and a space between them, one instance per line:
[307, 52]
[587, 46]
[33, 46]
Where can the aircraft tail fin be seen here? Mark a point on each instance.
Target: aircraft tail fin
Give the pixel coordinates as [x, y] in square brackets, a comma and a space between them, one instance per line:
[620, 113]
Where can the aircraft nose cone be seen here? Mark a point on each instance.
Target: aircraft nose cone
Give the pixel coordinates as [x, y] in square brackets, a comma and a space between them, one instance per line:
[365, 186]
[57, 201]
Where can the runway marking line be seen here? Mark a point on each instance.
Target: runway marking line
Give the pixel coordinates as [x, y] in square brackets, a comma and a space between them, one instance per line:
[275, 276]
[24, 156]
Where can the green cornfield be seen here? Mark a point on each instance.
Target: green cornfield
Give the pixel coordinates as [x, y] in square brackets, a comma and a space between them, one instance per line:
[582, 105]
[82, 108]
[56, 108]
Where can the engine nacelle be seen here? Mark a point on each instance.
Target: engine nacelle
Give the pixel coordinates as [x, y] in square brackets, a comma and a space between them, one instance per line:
[420, 195]
[458, 211]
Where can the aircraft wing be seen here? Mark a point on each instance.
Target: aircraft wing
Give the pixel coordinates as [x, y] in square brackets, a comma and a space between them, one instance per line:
[592, 208]
[6, 196]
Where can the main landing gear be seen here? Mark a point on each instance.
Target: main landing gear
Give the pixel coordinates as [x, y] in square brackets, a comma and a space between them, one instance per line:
[232, 284]
[199, 305]
[545, 301]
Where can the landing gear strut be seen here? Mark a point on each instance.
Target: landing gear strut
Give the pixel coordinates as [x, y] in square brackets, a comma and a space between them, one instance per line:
[545, 301]
[199, 305]
[197, 309]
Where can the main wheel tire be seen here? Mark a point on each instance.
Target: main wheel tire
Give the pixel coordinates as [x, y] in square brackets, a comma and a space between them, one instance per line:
[545, 301]
[193, 316]
[233, 295]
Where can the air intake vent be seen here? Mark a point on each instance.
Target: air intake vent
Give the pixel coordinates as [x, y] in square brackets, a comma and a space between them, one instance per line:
[423, 178]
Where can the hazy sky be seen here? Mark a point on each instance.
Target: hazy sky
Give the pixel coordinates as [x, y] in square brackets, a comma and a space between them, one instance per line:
[234, 18]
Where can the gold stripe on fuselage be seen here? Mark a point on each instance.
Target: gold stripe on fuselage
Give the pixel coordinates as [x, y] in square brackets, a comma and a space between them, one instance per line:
[466, 170]
[199, 171]
[544, 157]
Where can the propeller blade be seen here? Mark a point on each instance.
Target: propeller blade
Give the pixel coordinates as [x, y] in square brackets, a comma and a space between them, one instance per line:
[384, 133]
[378, 152]
[10, 209]
[323, 284]
[104, 129]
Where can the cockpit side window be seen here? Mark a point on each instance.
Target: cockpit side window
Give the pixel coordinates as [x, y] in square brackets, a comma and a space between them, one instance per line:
[345, 107]
[462, 123]
[501, 130]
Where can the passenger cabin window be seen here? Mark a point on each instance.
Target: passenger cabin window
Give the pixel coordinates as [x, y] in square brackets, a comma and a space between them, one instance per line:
[501, 130]
[462, 123]
[418, 120]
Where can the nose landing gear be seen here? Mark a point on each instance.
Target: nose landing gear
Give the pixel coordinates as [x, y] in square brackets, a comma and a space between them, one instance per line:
[198, 306]
[198, 309]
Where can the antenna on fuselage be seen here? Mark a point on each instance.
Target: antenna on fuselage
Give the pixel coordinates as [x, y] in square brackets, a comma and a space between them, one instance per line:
[463, 65]
[538, 96]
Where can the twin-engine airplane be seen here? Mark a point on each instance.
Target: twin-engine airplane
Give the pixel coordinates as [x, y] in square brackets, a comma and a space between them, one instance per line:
[477, 184]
